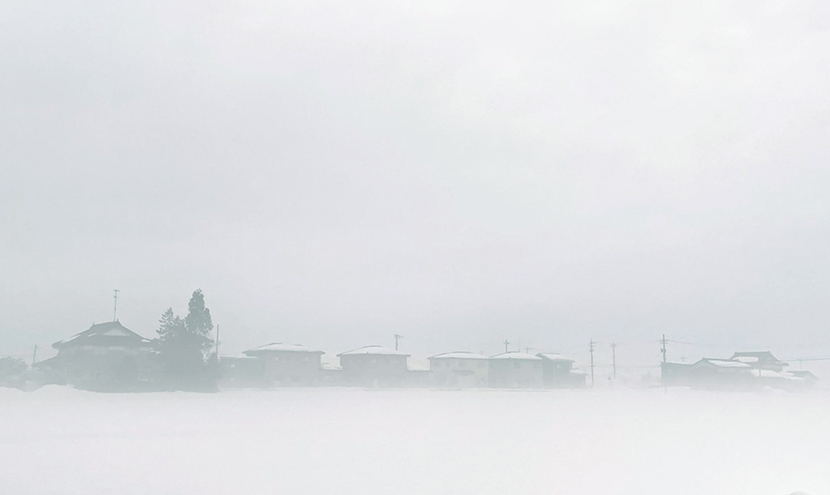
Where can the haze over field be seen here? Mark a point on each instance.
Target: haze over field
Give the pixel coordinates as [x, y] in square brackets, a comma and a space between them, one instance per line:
[457, 172]
[414, 442]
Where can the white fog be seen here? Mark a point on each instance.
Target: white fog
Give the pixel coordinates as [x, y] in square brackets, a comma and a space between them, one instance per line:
[414, 247]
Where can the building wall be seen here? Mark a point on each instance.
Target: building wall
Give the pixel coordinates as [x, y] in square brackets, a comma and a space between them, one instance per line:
[374, 370]
[558, 374]
[241, 372]
[515, 373]
[458, 372]
[107, 367]
[290, 368]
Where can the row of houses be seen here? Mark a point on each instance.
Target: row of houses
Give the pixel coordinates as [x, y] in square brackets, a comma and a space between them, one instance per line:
[109, 356]
[278, 364]
[744, 370]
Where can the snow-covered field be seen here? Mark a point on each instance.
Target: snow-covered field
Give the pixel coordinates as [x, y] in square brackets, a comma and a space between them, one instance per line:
[333, 441]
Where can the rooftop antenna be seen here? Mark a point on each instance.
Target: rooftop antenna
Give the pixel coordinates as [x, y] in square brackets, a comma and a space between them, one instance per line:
[506, 344]
[115, 304]
[397, 338]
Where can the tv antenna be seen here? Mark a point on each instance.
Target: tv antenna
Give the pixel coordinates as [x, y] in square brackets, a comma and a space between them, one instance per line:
[115, 304]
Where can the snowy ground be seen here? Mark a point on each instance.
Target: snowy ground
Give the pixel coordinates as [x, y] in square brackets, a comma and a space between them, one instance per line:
[62, 441]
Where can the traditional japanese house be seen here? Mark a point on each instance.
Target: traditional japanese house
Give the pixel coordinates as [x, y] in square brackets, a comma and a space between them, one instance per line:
[107, 356]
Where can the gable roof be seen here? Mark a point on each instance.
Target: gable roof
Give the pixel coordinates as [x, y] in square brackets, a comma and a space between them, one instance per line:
[280, 347]
[552, 356]
[459, 355]
[516, 356]
[104, 334]
[376, 350]
[759, 356]
[807, 375]
[721, 363]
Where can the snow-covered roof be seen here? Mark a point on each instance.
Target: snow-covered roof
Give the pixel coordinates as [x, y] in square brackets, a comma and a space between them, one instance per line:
[516, 355]
[553, 356]
[376, 350]
[235, 356]
[724, 363]
[459, 355]
[803, 374]
[109, 333]
[774, 374]
[280, 347]
[746, 359]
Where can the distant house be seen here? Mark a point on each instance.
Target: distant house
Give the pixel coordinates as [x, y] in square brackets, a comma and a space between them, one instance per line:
[241, 372]
[675, 374]
[806, 378]
[744, 370]
[515, 370]
[760, 360]
[558, 371]
[374, 366]
[459, 369]
[107, 356]
[719, 373]
[288, 364]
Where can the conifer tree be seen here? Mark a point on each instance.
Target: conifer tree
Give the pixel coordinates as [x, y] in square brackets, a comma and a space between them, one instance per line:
[184, 344]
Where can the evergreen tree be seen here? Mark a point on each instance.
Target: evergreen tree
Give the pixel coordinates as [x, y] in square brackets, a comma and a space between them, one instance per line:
[184, 344]
[198, 322]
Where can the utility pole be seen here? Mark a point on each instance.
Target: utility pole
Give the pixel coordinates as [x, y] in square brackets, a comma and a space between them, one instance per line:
[663, 367]
[614, 358]
[397, 338]
[591, 350]
[34, 355]
[506, 343]
[115, 304]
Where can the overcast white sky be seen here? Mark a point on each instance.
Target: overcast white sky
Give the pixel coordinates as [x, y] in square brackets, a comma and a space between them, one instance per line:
[460, 172]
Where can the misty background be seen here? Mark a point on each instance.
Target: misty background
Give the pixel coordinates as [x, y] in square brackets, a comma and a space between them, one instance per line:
[456, 172]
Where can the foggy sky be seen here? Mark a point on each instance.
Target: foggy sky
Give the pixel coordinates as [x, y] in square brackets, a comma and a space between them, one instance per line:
[332, 173]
